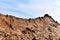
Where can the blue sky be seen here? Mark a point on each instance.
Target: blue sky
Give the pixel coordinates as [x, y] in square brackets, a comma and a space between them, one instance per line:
[31, 8]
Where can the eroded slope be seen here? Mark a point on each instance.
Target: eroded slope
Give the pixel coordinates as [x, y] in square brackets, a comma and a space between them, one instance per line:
[41, 28]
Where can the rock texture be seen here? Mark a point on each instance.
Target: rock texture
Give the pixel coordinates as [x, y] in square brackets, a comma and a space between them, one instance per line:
[41, 28]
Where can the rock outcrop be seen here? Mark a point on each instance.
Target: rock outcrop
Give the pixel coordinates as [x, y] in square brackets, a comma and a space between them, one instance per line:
[40, 28]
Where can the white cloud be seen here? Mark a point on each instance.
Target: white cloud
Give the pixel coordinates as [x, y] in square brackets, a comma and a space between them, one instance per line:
[35, 7]
[40, 7]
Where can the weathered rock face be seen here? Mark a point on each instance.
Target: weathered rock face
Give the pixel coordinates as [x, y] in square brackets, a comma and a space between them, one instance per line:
[41, 28]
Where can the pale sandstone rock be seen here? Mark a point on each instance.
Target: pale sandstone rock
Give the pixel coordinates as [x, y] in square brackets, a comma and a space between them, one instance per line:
[41, 28]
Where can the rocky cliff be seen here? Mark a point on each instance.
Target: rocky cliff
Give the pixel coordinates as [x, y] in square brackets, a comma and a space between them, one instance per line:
[40, 28]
